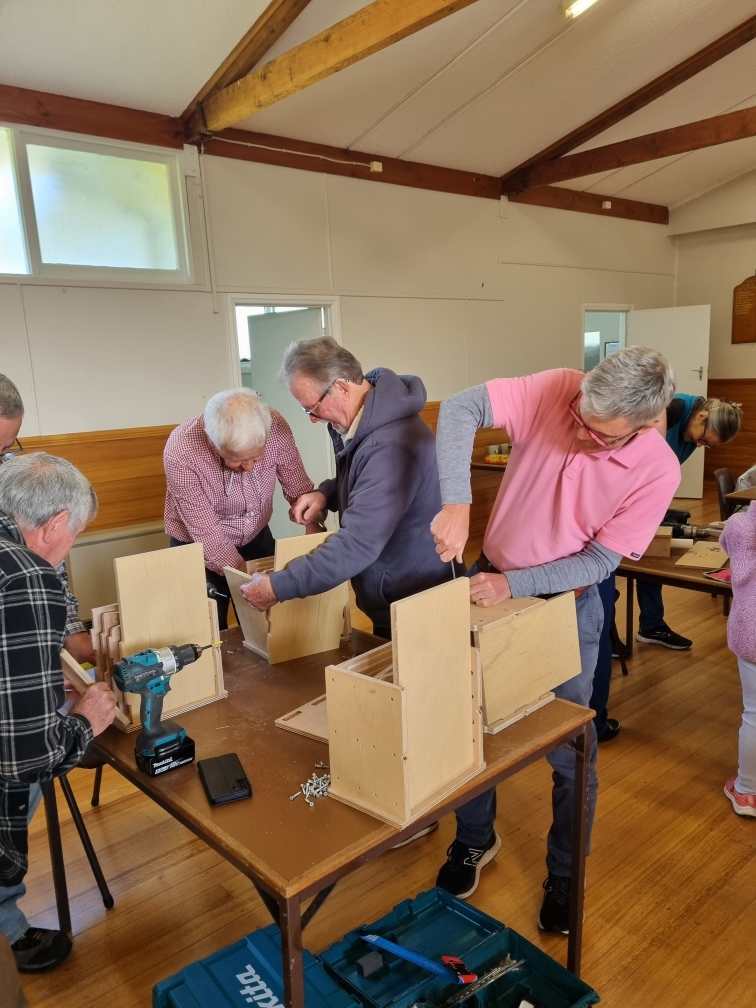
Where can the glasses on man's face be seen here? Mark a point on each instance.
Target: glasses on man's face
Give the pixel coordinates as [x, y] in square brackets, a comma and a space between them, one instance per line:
[311, 410]
[15, 449]
[600, 439]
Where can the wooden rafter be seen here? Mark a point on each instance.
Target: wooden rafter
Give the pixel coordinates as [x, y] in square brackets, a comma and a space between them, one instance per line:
[365, 32]
[593, 203]
[669, 80]
[269, 27]
[664, 143]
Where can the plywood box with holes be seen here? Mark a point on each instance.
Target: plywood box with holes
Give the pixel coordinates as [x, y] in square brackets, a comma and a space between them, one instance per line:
[295, 628]
[661, 544]
[527, 647]
[404, 720]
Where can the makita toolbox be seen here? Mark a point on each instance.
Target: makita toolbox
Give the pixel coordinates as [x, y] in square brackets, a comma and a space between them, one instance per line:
[247, 973]
[436, 924]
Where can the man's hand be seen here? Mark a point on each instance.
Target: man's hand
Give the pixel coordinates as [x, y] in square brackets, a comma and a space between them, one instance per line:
[312, 527]
[307, 508]
[97, 704]
[450, 530]
[79, 646]
[489, 589]
[258, 592]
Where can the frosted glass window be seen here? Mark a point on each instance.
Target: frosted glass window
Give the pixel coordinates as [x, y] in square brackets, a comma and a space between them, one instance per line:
[12, 246]
[101, 210]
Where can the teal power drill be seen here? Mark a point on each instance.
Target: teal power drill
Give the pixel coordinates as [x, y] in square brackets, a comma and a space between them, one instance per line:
[161, 745]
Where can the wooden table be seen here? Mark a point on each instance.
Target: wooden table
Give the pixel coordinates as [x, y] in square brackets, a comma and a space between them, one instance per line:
[663, 570]
[291, 851]
[749, 494]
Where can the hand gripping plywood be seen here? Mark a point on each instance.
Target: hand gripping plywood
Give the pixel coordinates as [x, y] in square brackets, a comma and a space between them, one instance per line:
[398, 747]
[527, 647]
[295, 628]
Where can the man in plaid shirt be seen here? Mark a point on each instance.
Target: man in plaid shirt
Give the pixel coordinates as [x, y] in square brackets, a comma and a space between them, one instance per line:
[221, 469]
[44, 503]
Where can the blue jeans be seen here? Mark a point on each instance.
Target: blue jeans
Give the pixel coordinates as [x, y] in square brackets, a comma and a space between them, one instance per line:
[650, 606]
[603, 676]
[475, 820]
[745, 782]
[13, 923]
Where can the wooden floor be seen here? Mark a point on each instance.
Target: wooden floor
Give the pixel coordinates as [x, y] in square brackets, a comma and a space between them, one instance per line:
[671, 897]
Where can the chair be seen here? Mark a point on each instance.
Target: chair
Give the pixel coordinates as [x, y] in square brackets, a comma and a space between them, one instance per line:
[618, 648]
[725, 485]
[90, 762]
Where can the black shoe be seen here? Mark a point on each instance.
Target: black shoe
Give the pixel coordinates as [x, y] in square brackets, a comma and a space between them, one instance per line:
[416, 836]
[39, 949]
[610, 730]
[555, 909]
[664, 636]
[460, 874]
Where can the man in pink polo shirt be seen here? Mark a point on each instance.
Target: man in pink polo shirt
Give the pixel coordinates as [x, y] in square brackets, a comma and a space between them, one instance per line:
[588, 481]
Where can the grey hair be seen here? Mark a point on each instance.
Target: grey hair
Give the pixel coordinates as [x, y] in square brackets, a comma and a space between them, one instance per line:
[635, 384]
[237, 421]
[724, 417]
[11, 404]
[322, 359]
[37, 486]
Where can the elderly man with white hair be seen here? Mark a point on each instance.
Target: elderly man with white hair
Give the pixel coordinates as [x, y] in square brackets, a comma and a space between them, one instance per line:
[588, 481]
[221, 469]
[44, 503]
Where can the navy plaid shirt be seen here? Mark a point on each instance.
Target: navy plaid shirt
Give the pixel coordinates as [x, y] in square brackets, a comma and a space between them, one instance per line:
[36, 742]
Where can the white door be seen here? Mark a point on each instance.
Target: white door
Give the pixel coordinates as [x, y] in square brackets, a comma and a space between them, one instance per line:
[682, 335]
[269, 336]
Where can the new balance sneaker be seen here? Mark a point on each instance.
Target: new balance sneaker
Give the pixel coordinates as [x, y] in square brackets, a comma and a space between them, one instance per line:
[461, 873]
[40, 949]
[664, 636]
[744, 804]
[416, 836]
[555, 909]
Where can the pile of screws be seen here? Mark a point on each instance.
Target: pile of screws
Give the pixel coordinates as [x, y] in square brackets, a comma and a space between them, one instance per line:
[315, 787]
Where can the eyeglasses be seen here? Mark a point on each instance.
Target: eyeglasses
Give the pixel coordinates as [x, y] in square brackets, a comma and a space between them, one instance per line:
[15, 449]
[600, 439]
[311, 410]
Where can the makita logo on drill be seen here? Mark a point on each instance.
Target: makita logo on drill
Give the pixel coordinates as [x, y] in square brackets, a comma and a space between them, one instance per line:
[257, 990]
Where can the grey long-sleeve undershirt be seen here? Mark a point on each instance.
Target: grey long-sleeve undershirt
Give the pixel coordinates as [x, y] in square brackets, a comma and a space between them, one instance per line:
[459, 418]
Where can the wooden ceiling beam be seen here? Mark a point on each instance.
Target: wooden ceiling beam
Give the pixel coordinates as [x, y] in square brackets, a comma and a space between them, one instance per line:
[650, 147]
[363, 33]
[593, 203]
[269, 27]
[669, 80]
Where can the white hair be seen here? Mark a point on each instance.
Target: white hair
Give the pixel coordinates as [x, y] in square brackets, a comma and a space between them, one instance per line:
[36, 486]
[635, 384]
[237, 421]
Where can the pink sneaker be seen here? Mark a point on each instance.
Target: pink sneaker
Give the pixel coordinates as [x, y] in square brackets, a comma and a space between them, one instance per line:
[744, 804]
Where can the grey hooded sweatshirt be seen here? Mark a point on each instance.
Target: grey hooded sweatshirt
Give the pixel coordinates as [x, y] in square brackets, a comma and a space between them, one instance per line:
[386, 492]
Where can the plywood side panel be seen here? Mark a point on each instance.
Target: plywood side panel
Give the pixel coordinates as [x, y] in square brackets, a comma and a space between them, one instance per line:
[527, 655]
[254, 624]
[367, 745]
[297, 546]
[432, 661]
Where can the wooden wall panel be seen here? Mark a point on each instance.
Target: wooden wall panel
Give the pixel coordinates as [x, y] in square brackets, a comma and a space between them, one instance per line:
[739, 454]
[125, 467]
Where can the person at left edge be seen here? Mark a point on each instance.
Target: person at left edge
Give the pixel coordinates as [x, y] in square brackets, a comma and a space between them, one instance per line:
[221, 469]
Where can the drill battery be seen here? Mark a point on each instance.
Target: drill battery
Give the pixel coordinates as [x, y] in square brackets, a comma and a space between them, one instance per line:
[168, 755]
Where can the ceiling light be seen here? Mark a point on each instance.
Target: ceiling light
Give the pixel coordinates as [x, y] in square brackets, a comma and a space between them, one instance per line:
[573, 8]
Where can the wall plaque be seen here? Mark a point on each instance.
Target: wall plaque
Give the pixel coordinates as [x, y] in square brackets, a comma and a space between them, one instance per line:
[744, 312]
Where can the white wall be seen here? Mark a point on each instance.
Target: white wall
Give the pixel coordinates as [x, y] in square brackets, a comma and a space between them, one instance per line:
[453, 288]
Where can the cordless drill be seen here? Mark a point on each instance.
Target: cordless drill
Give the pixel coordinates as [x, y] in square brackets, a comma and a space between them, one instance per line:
[160, 745]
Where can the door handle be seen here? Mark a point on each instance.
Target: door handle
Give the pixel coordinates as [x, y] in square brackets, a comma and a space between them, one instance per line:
[699, 371]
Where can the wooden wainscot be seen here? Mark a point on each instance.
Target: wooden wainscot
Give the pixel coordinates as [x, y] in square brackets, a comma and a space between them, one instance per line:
[527, 647]
[404, 720]
[295, 628]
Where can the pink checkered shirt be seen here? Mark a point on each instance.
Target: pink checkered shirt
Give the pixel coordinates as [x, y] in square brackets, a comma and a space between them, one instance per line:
[207, 502]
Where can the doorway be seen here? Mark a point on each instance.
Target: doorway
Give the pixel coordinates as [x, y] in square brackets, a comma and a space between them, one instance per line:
[263, 332]
[604, 333]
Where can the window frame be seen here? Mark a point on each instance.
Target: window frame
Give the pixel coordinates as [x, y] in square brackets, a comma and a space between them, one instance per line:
[22, 136]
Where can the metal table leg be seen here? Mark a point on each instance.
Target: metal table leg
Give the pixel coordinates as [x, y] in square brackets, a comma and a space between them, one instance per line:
[291, 952]
[579, 842]
[56, 856]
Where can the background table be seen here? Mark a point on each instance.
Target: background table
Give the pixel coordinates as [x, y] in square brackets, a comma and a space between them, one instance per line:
[291, 851]
[749, 494]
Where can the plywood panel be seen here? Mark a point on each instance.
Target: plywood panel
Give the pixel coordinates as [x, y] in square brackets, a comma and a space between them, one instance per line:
[81, 682]
[163, 600]
[254, 624]
[526, 654]
[707, 555]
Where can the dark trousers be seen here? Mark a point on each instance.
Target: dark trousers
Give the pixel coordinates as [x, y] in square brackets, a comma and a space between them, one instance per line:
[650, 605]
[603, 677]
[263, 545]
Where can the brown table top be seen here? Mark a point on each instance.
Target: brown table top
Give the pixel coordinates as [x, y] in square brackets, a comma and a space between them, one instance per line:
[286, 845]
[667, 567]
[501, 466]
[749, 494]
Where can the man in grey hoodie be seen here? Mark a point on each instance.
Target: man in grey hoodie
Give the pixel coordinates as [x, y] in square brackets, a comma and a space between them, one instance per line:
[386, 488]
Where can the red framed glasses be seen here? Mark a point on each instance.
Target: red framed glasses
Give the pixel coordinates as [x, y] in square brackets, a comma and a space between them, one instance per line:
[600, 439]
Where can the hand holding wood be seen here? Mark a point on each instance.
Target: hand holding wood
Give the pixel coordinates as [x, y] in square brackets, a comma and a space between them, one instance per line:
[489, 589]
[258, 592]
[79, 646]
[98, 705]
[307, 507]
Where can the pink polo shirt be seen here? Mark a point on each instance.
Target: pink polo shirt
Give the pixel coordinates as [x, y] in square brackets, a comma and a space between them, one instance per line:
[555, 499]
